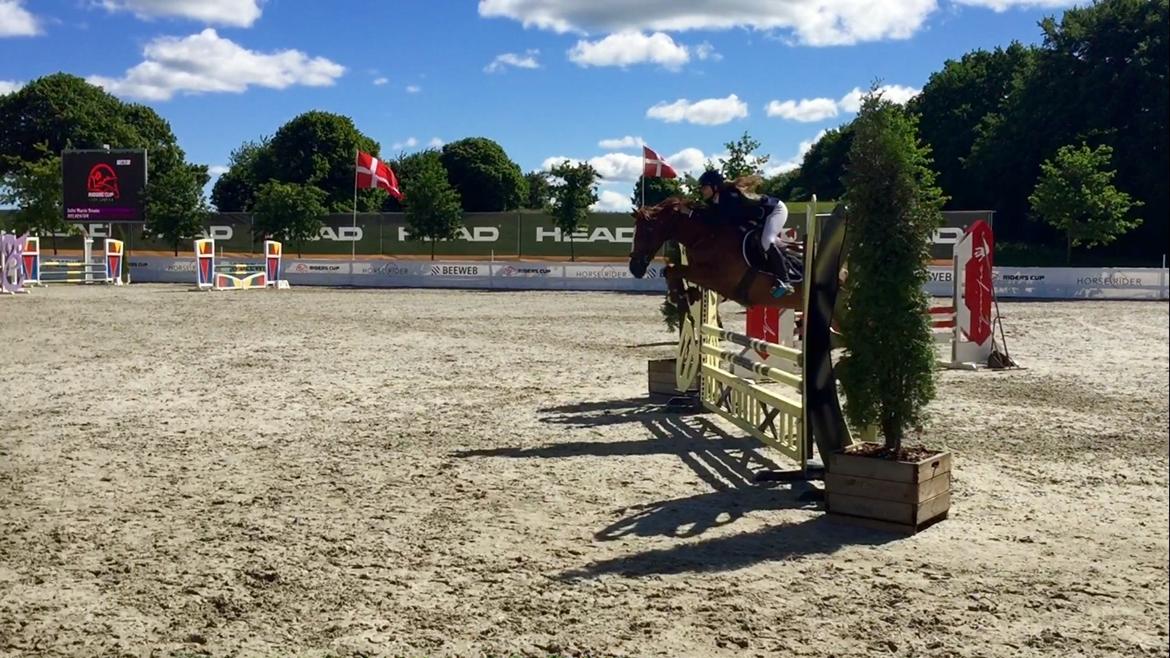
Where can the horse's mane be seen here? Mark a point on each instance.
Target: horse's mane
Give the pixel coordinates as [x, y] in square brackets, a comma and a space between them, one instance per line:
[672, 203]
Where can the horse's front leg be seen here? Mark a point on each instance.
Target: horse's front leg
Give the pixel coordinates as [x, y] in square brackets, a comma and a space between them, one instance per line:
[676, 276]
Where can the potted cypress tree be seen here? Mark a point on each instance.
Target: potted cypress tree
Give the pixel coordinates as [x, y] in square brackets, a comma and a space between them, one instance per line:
[887, 371]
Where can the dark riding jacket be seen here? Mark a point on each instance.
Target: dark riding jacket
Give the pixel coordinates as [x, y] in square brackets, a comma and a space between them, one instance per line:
[736, 209]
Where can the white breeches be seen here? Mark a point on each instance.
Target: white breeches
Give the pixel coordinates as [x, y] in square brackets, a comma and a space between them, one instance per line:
[773, 226]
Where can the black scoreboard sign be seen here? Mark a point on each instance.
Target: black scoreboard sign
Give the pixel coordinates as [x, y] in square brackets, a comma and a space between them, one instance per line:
[104, 185]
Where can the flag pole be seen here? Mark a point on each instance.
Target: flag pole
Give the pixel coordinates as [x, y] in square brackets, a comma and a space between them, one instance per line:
[353, 243]
[643, 177]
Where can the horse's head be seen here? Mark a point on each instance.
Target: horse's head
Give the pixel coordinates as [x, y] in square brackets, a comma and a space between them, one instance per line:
[653, 226]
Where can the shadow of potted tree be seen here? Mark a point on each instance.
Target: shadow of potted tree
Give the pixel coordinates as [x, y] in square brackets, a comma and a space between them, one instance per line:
[887, 372]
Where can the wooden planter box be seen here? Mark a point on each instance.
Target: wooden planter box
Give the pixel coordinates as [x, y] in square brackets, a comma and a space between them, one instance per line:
[889, 494]
[661, 379]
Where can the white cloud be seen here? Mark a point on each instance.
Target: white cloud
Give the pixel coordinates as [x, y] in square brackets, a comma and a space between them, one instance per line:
[16, 21]
[408, 143]
[706, 51]
[555, 160]
[795, 161]
[611, 201]
[9, 86]
[1000, 6]
[618, 166]
[813, 22]
[435, 142]
[525, 61]
[626, 142]
[898, 94]
[206, 62]
[626, 167]
[626, 48]
[707, 112]
[233, 13]
[217, 170]
[378, 82]
[687, 161]
[413, 89]
[808, 110]
[804, 110]
[611, 166]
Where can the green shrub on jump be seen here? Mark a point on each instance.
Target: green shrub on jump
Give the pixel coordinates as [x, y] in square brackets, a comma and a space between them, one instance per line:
[894, 206]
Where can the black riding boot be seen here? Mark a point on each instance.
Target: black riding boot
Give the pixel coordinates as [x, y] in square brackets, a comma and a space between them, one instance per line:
[778, 267]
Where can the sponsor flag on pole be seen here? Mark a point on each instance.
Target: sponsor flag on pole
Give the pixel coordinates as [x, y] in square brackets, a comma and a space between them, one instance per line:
[653, 166]
[372, 172]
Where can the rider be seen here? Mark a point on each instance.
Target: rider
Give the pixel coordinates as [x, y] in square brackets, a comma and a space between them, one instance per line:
[729, 204]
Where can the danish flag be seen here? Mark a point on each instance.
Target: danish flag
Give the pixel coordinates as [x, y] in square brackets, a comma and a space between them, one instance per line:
[653, 166]
[372, 172]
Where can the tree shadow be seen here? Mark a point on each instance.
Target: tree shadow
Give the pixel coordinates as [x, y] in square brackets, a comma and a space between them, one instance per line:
[815, 536]
[683, 518]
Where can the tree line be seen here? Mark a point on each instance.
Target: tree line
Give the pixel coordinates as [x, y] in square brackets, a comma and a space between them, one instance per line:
[1067, 141]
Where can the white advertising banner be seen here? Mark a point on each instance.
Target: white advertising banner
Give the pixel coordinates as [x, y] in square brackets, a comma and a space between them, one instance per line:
[1010, 282]
[1081, 283]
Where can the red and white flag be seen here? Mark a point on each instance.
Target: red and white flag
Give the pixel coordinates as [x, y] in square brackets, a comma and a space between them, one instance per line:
[653, 166]
[372, 172]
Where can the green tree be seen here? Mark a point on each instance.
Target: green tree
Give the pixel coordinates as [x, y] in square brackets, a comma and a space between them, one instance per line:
[236, 189]
[538, 190]
[289, 212]
[887, 371]
[433, 211]
[782, 185]
[1076, 196]
[741, 159]
[823, 167]
[64, 111]
[176, 210]
[953, 101]
[34, 187]
[486, 179]
[1102, 75]
[406, 167]
[657, 190]
[316, 148]
[320, 149]
[572, 197]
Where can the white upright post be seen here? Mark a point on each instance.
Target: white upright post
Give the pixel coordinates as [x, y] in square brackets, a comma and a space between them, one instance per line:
[88, 260]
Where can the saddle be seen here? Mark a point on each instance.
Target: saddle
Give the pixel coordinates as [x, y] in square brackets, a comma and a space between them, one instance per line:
[791, 254]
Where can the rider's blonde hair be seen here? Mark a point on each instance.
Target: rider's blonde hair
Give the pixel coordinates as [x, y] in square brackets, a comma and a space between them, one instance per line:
[746, 185]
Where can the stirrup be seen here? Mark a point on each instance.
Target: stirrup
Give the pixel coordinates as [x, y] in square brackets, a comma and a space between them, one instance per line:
[782, 289]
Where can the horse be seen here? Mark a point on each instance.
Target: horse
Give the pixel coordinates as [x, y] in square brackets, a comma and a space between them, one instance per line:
[717, 256]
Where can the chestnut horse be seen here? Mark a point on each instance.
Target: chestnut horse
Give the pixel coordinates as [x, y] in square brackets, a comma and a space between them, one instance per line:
[715, 257]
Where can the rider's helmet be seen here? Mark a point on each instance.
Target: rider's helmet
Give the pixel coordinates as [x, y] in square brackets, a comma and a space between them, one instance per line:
[711, 178]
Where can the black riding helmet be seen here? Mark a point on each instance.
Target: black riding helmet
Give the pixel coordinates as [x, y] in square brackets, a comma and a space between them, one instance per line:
[711, 178]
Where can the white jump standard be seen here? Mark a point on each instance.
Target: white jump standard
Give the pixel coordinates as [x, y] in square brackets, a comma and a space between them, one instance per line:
[237, 276]
[106, 268]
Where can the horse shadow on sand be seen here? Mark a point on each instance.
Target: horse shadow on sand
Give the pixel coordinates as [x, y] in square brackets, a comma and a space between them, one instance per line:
[727, 464]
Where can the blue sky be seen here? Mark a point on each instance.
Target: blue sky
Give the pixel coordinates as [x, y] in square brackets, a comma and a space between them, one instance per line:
[547, 79]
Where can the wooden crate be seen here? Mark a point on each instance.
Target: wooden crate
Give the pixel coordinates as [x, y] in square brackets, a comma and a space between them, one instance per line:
[661, 379]
[900, 496]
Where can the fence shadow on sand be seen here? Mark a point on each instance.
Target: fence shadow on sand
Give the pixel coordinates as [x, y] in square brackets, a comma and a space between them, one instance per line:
[727, 464]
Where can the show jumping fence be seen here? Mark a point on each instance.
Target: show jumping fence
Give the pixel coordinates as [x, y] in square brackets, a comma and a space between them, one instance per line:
[210, 275]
